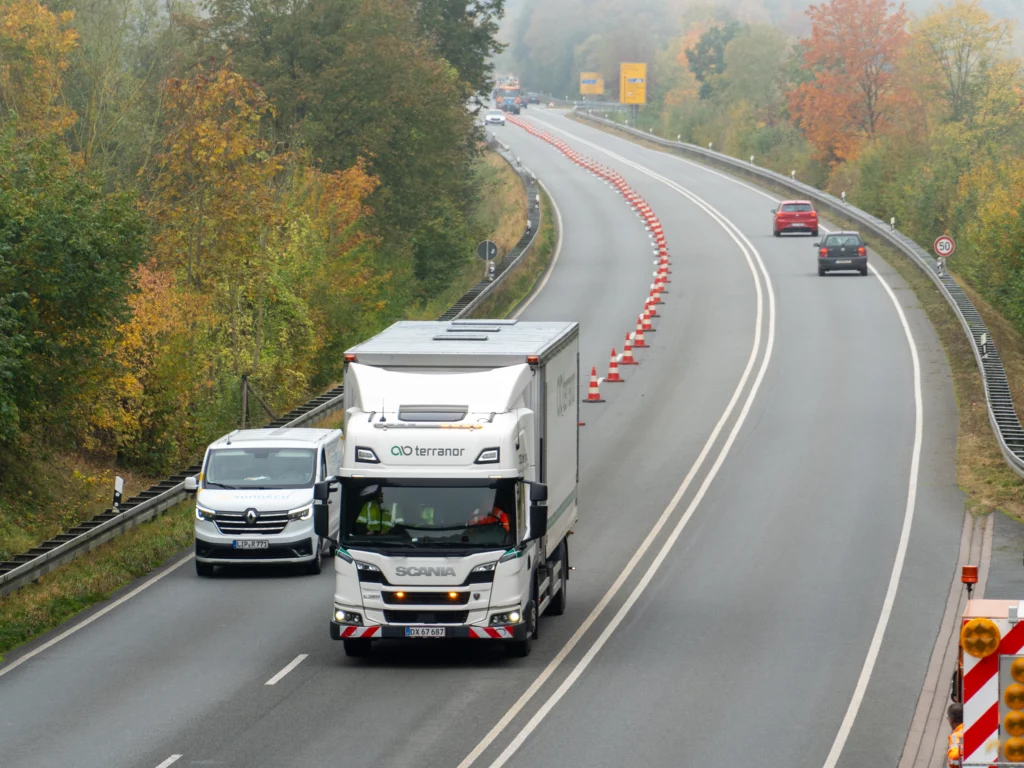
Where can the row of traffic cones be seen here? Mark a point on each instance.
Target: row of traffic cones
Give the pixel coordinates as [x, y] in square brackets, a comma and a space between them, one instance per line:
[636, 339]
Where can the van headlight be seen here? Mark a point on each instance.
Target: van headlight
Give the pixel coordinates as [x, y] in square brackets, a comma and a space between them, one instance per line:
[205, 514]
[302, 513]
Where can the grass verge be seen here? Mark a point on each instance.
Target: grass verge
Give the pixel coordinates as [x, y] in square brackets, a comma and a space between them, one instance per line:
[64, 496]
[982, 472]
[524, 276]
[60, 594]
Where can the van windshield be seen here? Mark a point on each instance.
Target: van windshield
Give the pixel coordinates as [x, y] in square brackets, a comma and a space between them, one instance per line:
[264, 468]
[428, 516]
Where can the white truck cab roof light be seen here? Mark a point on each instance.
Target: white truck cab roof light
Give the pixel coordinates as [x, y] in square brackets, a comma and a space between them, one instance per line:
[366, 455]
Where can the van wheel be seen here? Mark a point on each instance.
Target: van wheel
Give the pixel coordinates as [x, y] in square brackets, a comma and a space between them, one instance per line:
[316, 565]
[557, 605]
[358, 648]
[204, 569]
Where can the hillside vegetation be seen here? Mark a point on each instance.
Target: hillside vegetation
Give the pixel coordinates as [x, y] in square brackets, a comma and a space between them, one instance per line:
[193, 191]
[920, 117]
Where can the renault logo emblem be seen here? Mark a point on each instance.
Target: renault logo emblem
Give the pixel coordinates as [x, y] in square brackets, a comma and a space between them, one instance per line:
[251, 516]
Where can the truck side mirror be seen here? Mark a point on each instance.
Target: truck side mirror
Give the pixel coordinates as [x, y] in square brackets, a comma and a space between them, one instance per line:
[538, 492]
[321, 520]
[191, 484]
[322, 491]
[538, 522]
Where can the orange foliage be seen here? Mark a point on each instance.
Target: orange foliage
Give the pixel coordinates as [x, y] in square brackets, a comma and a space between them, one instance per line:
[34, 47]
[853, 55]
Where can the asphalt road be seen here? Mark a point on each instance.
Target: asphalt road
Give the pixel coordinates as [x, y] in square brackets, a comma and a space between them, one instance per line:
[744, 646]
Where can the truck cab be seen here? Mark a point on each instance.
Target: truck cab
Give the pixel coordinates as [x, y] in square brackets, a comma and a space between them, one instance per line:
[456, 434]
[255, 494]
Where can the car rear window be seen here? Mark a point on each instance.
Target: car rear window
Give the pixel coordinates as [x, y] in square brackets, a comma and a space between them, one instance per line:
[841, 240]
[796, 207]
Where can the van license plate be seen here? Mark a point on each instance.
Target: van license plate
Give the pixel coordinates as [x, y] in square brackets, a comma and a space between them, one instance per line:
[251, 544]
[425, 632]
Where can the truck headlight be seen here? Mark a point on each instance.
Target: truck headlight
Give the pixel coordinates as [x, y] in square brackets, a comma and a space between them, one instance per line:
[367, 567]
[205, 514]
[303, 513]
[347, 617]
[485, 568]
[508, 617]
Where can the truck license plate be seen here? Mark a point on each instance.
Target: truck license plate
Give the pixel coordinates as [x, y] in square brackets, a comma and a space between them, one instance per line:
[425, 632]
[251, 544]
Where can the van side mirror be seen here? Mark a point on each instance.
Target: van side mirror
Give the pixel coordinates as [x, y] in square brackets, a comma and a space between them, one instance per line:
[817, 245]
[538, 492]
[191, 484]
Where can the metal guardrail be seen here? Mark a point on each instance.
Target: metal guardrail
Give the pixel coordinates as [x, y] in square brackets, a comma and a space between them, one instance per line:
[1002, 414]
[27, 567]
[475, 295]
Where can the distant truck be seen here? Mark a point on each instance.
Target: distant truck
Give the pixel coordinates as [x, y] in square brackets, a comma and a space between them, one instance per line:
[508, 94]
[456, 434]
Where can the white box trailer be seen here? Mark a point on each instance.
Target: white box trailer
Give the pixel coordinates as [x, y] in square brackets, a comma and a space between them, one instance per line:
[456, 434]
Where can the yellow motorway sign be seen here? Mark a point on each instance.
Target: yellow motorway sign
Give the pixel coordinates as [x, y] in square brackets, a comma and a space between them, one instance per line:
[632, 83]
[591, 84]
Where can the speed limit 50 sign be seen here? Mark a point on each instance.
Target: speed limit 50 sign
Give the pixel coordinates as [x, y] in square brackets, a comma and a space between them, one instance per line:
[944, 246]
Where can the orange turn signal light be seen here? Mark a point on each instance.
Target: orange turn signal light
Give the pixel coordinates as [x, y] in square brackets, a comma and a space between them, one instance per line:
[350, 358]
[533, 359]
[969, 574]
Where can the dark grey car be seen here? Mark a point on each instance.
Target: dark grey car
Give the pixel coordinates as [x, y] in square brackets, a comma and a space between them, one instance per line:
[842, 251]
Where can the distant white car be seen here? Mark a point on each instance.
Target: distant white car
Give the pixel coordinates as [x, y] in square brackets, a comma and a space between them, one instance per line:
[494, 117]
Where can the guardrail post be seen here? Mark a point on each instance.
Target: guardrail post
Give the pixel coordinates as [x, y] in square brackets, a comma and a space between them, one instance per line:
[984, 346]
[844, 198]
[751, 159]
[118, 493]
[245, 399]
[792, 175]
[711, 146]
[892, 224]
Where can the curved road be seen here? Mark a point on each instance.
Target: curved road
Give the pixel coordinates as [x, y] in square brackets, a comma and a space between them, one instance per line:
[743, 499]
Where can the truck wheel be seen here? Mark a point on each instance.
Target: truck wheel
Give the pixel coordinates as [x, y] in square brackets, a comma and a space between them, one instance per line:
[359, 648]
[557, 605]
[316, 565]
[520, 649]
[204, 569]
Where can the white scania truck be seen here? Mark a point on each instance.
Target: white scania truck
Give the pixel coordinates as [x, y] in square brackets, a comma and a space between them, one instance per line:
[456, 434]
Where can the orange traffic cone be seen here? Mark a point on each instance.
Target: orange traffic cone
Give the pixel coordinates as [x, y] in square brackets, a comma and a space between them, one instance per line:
[649, 308]
[613, 368]
[638, 339]
[593, 393]
[655, 294]
[645, 321]
[627, 352]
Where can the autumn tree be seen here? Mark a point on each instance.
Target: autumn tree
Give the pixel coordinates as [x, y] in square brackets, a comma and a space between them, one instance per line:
[35, 45]
[853, 55]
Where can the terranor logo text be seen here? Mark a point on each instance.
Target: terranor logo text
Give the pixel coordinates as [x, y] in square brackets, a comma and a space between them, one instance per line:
[403, 570]
[415, 450]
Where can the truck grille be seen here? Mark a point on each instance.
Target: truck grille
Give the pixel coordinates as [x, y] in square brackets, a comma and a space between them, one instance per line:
[425, 598]
[267, 523]
[426, 617]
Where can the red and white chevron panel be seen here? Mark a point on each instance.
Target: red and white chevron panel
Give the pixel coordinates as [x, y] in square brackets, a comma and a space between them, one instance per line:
[491, 633]
[354, 632]
[981, 696]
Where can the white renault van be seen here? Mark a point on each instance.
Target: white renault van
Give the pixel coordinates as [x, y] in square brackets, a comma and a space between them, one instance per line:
[254, 498]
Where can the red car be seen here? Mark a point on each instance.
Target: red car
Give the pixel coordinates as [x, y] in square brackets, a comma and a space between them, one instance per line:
[795, 216]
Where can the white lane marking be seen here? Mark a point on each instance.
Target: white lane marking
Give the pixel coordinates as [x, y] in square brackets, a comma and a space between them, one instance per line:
[634, 561]
[908, 518]
[169, 761]
[901, 552]
[554, 257]
[99, 614]
[748, 249]
[291, 665]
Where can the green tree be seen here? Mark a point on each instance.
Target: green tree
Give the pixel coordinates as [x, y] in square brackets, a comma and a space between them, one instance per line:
[707, 57]
[466, 35]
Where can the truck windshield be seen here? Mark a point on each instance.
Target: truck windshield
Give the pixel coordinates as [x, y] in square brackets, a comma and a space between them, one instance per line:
[236, 468]
[381, 516]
